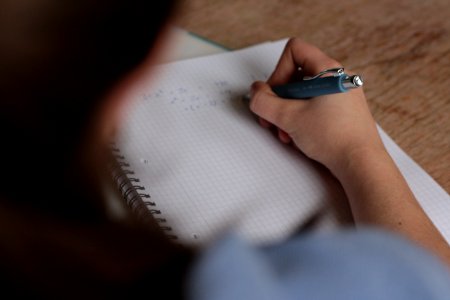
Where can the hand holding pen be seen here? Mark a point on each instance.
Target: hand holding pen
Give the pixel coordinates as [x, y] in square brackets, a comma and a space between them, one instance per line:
[338, 130]
[328, 126]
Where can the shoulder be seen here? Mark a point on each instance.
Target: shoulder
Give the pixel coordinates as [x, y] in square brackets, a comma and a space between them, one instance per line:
[347, 264]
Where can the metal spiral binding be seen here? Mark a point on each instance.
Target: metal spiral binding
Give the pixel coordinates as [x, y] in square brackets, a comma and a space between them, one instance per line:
[134, 194]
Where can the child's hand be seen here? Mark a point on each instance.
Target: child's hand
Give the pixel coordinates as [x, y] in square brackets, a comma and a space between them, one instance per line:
[327, 128]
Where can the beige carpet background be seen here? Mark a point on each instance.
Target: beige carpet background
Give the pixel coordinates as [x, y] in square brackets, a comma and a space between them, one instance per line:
[402, 48]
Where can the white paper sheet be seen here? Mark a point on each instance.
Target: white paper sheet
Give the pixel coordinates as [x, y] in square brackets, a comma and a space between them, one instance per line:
[209, 166]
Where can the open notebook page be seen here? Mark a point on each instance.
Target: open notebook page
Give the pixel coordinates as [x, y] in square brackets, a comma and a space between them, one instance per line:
[209, 166]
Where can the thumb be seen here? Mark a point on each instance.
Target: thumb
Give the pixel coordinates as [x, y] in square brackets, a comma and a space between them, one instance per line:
[267, 105]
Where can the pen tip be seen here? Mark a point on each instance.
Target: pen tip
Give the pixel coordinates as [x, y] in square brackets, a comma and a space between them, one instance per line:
[246, 98]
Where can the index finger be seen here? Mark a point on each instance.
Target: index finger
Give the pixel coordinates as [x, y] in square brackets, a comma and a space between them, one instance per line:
[298, 53]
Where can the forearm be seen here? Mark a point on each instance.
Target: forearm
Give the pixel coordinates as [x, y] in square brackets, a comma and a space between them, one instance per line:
[379, 195]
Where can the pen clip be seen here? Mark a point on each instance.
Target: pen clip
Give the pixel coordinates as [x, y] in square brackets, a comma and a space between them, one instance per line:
[334, 71]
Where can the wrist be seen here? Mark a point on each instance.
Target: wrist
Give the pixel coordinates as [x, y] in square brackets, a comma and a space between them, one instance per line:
[353, 161]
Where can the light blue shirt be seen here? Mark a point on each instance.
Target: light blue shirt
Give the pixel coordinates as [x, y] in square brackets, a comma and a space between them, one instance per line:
[361, 264]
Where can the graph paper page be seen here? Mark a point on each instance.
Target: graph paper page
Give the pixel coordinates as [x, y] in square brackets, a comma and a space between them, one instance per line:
[207, 164]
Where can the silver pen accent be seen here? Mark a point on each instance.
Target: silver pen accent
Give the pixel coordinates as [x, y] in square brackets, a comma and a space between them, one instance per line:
[351, 82]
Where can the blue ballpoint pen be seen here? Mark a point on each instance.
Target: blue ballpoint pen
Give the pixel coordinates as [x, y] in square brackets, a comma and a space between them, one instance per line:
[317, 85]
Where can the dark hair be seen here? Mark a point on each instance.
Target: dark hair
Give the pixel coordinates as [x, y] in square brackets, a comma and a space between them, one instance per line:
[58, 60]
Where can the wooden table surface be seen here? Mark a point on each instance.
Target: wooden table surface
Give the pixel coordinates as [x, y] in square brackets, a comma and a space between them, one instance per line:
[401, 47]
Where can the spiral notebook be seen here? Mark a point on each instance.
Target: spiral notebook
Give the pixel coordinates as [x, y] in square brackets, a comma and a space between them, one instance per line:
[192, 155]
